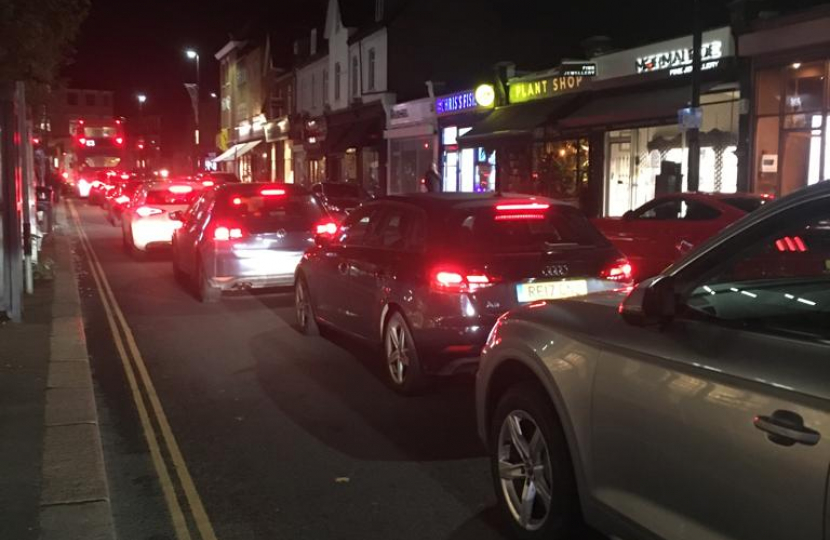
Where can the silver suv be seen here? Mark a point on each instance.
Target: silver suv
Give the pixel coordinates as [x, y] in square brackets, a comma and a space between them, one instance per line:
[696, 407]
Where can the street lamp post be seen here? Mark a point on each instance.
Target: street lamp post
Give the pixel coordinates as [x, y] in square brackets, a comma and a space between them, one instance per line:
[142, 99]
[193, 55]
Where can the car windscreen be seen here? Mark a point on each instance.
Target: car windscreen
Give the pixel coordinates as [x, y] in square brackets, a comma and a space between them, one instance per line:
[342, 191]
[747, 204]
[259, 213]
[171, 196]
[485, 229]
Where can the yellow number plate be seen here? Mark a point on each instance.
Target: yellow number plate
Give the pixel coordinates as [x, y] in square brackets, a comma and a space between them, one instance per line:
[551, 290]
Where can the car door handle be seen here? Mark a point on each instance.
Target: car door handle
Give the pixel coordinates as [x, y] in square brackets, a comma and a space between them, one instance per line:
[343, 268]
[787, 428]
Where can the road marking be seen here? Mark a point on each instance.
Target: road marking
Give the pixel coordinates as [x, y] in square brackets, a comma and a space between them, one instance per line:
[111, 307]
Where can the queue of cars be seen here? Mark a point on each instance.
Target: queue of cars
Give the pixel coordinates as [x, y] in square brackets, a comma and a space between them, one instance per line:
[650, 402]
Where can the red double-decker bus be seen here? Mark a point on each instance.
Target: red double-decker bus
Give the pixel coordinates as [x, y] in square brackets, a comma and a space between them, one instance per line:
[96, 155]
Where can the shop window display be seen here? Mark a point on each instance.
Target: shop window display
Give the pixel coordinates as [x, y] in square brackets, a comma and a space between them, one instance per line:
[560, 169]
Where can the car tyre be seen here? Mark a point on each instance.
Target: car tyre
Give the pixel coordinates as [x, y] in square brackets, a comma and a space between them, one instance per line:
[208, 294]
[531, 466]
[402, 366]
[306, 319]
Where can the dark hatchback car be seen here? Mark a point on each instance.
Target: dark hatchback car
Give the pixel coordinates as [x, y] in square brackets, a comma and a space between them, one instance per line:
[427, 275]
[246, 236]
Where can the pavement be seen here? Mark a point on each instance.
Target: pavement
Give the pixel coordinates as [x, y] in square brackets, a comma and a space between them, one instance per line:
[54, 482]
[221, 421]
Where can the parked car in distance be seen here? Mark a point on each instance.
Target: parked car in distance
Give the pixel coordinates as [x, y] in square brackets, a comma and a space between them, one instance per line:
[659, 232]
[340, 198]
[118, 199]
[694, 407]
[426, 276]
[217, 178]
[147, 224]
[246, 236]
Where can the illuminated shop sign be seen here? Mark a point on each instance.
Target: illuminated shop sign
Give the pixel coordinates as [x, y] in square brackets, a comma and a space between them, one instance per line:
[521, 91]
[679, 61]
[579, 69]
[481, 97]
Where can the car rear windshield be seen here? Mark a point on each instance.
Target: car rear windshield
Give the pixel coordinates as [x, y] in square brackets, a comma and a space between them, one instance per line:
[268, 213]
[747, 204]
[165, 196]
[341, 191]
[486, 229]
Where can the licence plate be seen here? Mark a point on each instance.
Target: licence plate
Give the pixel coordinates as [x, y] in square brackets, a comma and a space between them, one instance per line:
[551, 290]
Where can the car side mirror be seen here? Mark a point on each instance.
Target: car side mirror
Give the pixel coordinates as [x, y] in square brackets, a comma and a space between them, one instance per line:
[629, 215]
[178, 215]
[650, 303]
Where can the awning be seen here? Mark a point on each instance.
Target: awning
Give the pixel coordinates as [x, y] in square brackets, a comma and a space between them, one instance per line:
[634, 107]
[516, 120]
[236, 151]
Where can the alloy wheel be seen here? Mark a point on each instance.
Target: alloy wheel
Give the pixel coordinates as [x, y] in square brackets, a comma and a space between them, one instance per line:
[524, 470]
[301, 305]
[398, 351]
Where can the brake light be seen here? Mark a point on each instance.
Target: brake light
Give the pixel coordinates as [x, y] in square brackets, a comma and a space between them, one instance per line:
[270, 192]
[123, 199]
[180, 189]
[82, 140]
[119, 141]
[236, 201]
[147, 211]
[522, 207]
[455, 280]
[223, 233]
[327, 228]
[65, 175]
[520, 217]
[125, 176]
[619, 270]
[207, 183]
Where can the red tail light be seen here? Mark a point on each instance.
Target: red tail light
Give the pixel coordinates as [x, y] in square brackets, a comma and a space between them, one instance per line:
[179, 190]
[452, 279]
[147, 211]
[513, 207]
[82, 140]
[125, 176]
[791, 243]
[270, 192]
[619, 270]
[207, 183]
[119, 141]
[326, 228]
[123, 199]
[227, 232]
[519, 217]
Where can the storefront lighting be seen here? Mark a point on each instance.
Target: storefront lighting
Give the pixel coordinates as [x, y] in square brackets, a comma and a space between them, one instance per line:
[265, 155]
[485, 95]
[796, 65]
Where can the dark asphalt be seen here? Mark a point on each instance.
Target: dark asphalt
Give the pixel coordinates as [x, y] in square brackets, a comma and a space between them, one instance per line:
[285, 436]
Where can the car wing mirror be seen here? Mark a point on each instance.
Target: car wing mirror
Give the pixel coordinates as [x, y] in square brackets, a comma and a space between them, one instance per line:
[652, 302]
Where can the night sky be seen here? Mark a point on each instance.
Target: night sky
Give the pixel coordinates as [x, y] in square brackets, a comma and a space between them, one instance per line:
[132, 47]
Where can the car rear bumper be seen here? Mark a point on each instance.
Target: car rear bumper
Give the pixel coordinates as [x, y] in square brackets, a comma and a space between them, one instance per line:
[249, 270]
[150, 233]
[452, 345]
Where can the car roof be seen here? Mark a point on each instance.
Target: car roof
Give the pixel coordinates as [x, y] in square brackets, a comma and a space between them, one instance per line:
[294, 189]
[443, 201]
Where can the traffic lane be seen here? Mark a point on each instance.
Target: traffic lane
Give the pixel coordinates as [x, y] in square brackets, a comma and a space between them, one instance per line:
[292, 436]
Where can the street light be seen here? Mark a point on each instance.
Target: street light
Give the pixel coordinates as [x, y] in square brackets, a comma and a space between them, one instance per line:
[142, 99]
[193, 55]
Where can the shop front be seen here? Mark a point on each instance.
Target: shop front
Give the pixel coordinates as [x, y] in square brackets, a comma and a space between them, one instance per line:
[790, 66]
[465, 168]
[354, 147]
[411, 137]
[279, 151]
[636, 122]
[308, 157]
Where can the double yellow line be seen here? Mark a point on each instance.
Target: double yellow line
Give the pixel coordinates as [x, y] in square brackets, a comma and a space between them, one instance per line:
[133, 364]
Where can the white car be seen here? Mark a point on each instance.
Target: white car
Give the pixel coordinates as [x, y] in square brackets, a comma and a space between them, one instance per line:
[697, 407]
[147, 223]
